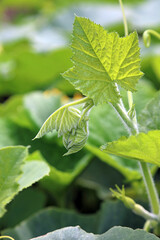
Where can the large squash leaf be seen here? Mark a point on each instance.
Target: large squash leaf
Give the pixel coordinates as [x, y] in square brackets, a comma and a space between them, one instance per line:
[116, 233]
[102, 59]
[47, 220]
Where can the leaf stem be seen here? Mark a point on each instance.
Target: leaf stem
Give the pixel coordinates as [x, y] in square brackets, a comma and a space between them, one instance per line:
[150, 187]
[82, 100]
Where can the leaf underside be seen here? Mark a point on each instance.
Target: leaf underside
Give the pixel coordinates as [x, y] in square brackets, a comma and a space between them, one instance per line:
[142, 147]
[69, 123]
[63, 120]
[115, 233]
[102, 60]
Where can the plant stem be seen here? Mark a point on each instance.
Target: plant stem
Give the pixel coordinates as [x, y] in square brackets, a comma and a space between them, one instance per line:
[129, 125]
[150, 187]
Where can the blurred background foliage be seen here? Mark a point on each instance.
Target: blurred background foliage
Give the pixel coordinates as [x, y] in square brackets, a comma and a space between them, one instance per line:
[34, 50]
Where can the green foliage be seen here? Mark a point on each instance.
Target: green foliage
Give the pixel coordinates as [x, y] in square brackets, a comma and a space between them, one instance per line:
[137, 147]
[17, 173]
[101, 60]
[34, 109]
[34, 169]
[105, 66]
[36, 69]
[11, 161]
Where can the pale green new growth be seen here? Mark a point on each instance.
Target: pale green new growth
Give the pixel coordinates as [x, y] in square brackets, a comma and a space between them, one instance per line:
[142, 147]
[121, 195]
[101, 60]
[63, 120]
[71, 123]
[76, 139]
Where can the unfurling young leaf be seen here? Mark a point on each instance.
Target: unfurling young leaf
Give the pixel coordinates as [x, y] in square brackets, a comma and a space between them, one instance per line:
[63, 120]
[102, 60]
[71, 123]
[76, 139]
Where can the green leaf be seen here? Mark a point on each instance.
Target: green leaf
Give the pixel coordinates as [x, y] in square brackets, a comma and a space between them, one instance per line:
[63, 120]
[116, 233]
[34, 169]
[142, 147]
[102, 59]
[11, 162]
[149, 118]
[71, 123]
[110, 214]
[18, 171]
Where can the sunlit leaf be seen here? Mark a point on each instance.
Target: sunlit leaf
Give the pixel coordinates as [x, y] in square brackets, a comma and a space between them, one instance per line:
[102, 59]
[142, 147]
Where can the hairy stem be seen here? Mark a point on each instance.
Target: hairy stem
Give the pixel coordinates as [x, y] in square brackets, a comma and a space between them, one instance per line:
[150, 187]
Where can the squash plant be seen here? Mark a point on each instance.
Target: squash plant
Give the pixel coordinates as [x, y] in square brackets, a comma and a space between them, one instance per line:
[104, 65]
